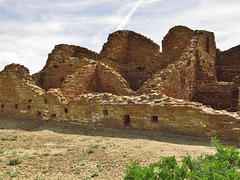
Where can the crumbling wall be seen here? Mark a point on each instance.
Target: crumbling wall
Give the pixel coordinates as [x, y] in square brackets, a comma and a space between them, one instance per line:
[132, 55]
[82, 84]
[175, 42]
[82, 81]
[178, 79]
[208, 90]
[228, 64]
[110, 81]
[63, 52]
[64, 60]
[218, 95]
[152, 112]
[21, 98]
[206, 57]
[95, 77]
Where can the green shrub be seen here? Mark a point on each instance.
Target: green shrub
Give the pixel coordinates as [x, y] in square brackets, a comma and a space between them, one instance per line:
[14, 161]
[222, 165]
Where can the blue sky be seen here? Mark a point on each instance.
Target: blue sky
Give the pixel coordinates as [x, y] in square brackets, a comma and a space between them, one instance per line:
[29, 30]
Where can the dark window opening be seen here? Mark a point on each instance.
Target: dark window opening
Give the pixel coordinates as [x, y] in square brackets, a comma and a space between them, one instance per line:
[29, 107]
[61, 80]
[69, 64]
[105, 112]
[141, 68]
[16, 106]
[155, 119]
[126, 120]
[2, 105]
[55, 66]
[66, 111]
[203, 61]
[53, 116]
[210, 64]
[45, 101]
[207, 44]
[39, 113]
[29, 101]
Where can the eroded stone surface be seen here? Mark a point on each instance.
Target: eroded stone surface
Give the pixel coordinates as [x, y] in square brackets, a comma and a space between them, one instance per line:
[130, 84]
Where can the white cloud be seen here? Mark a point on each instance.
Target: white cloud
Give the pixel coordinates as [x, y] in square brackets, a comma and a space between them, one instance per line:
[126, 19]
[29, 30]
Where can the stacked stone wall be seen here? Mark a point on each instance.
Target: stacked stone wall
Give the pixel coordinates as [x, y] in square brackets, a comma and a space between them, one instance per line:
[218, 95]
[175, 42]
[64, 60]
[178, 79]
[95, 77]
[228, 64]
[80, 86]
[132, 55]
[206, 57]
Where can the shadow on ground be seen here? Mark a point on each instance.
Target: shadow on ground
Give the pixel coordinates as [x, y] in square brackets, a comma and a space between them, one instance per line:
[71, 128]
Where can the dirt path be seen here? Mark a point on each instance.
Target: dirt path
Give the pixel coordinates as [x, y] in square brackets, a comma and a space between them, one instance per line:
[54, 150]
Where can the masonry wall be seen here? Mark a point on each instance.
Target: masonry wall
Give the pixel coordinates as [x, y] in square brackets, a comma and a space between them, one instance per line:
[95, 77]
[228, 64]
[175, 42]
[206, 57]
[208, 90]
[178, 79]
[132, 55]
[218, 95]
[152, 112]
[62, 61]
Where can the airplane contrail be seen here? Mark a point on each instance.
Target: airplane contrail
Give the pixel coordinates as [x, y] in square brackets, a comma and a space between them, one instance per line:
[127, 18]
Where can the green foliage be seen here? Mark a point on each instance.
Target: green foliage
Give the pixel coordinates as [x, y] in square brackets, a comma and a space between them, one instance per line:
[71, 149]
[222, 165]
[96, 146]
[14, 161]
[14, 138]
[90, 151]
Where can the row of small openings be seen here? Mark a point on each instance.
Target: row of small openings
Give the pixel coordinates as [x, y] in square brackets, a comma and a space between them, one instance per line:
[16, 106]
[52, 115]
[127, 120]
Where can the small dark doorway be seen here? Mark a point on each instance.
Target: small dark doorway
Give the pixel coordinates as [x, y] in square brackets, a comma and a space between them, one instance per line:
[29, 107]
[66, 111]
[126, 120]
[16, 106]
[105, 112]
[154, 119]
[61, 80]
[39, 113]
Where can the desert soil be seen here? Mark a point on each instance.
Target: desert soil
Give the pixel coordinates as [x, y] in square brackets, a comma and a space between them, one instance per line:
[54, 150]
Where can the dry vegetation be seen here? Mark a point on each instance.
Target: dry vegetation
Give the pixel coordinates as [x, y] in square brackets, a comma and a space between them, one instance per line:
[54, 150]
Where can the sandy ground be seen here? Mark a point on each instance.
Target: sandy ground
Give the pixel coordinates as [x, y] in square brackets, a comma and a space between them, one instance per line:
[55, 150]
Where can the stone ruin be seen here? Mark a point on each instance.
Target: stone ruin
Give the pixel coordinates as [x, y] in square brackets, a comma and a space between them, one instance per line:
[189, 88]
